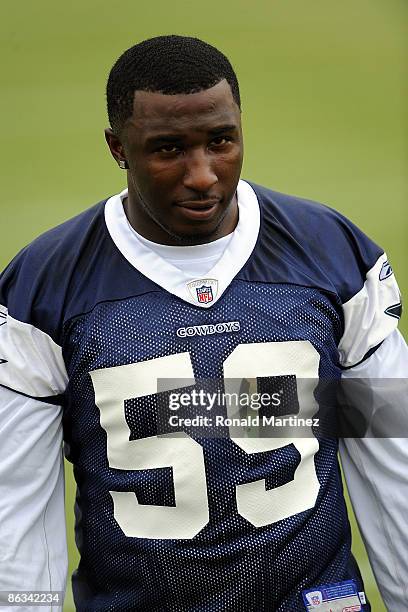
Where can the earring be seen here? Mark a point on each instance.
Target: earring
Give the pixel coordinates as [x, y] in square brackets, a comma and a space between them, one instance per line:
[123, 164]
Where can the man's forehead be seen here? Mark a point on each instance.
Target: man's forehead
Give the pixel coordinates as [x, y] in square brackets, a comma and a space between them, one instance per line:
[156, 108]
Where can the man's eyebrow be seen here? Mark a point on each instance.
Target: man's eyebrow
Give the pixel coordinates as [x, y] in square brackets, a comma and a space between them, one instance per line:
[159, 138]
[163, 138]
[222, 128]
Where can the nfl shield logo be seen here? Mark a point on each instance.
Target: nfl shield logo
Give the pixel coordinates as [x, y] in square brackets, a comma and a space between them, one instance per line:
[315, 599]
[204, 294]
[203, 291]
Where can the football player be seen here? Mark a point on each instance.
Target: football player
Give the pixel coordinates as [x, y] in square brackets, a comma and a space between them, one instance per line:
[192, 274]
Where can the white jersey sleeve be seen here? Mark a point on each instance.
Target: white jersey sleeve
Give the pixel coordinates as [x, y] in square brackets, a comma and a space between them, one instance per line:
[31, 362]
[33, 550]
[376, 469]
[371, 314]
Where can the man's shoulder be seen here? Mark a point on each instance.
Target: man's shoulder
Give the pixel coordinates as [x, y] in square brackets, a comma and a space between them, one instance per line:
[315, 224]
[314, 236]
[65, 236]
[37, 279]
[297, 209]
[53, 251]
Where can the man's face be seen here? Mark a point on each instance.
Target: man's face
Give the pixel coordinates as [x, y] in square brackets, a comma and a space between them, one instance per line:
[184, 154]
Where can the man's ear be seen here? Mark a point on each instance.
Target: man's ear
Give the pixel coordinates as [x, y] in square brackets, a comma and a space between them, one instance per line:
[116, 148]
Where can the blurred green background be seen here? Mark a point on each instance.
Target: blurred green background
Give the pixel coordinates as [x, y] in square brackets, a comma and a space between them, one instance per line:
[323, 88]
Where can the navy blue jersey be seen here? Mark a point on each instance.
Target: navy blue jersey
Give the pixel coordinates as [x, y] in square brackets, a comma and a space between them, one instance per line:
[184, 520]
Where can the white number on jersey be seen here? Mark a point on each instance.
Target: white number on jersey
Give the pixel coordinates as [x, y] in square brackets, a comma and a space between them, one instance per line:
[185, 456]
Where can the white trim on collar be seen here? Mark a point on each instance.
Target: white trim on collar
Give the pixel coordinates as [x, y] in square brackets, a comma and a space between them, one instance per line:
[171, 278]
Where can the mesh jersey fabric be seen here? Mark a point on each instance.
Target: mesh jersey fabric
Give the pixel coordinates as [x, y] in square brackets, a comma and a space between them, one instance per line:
[229, 564]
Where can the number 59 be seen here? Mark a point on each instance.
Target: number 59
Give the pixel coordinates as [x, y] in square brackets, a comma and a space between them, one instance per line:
[190, 514]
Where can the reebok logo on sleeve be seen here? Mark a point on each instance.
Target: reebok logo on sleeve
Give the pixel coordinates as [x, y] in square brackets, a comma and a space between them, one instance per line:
[386, 271]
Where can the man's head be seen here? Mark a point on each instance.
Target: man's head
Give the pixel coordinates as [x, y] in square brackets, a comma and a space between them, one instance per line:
[168, 65]
[174, 109]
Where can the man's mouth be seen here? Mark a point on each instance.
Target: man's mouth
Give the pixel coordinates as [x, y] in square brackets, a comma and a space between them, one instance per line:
[199, 210]
[197, 204]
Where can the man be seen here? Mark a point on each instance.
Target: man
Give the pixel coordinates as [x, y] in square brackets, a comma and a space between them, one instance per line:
[190, 274]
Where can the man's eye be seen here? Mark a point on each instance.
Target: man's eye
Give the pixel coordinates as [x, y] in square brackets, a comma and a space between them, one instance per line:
[169, 149]
[220, 140]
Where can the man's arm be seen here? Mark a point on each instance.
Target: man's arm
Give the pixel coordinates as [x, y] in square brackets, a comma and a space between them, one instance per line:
[376, 469]
[33, 379]
[33, 552]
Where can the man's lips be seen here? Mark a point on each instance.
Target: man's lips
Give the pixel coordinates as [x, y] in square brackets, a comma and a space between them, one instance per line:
[198, 210]
[198, 204]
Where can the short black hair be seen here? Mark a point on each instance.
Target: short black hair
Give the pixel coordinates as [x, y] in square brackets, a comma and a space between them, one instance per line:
[166, 64]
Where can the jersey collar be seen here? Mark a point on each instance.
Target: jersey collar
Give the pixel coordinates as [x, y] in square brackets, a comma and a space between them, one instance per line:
[205, 291]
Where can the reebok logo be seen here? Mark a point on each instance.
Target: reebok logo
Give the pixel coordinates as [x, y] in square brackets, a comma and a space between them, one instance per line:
[206, 330]
[3, 318]
[386, 271]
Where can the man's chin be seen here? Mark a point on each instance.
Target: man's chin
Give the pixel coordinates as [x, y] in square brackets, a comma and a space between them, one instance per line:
[200, 232]
[194, 239]
[200, 235]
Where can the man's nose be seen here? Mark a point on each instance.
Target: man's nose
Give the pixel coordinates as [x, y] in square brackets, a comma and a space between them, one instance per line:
[199, 174]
